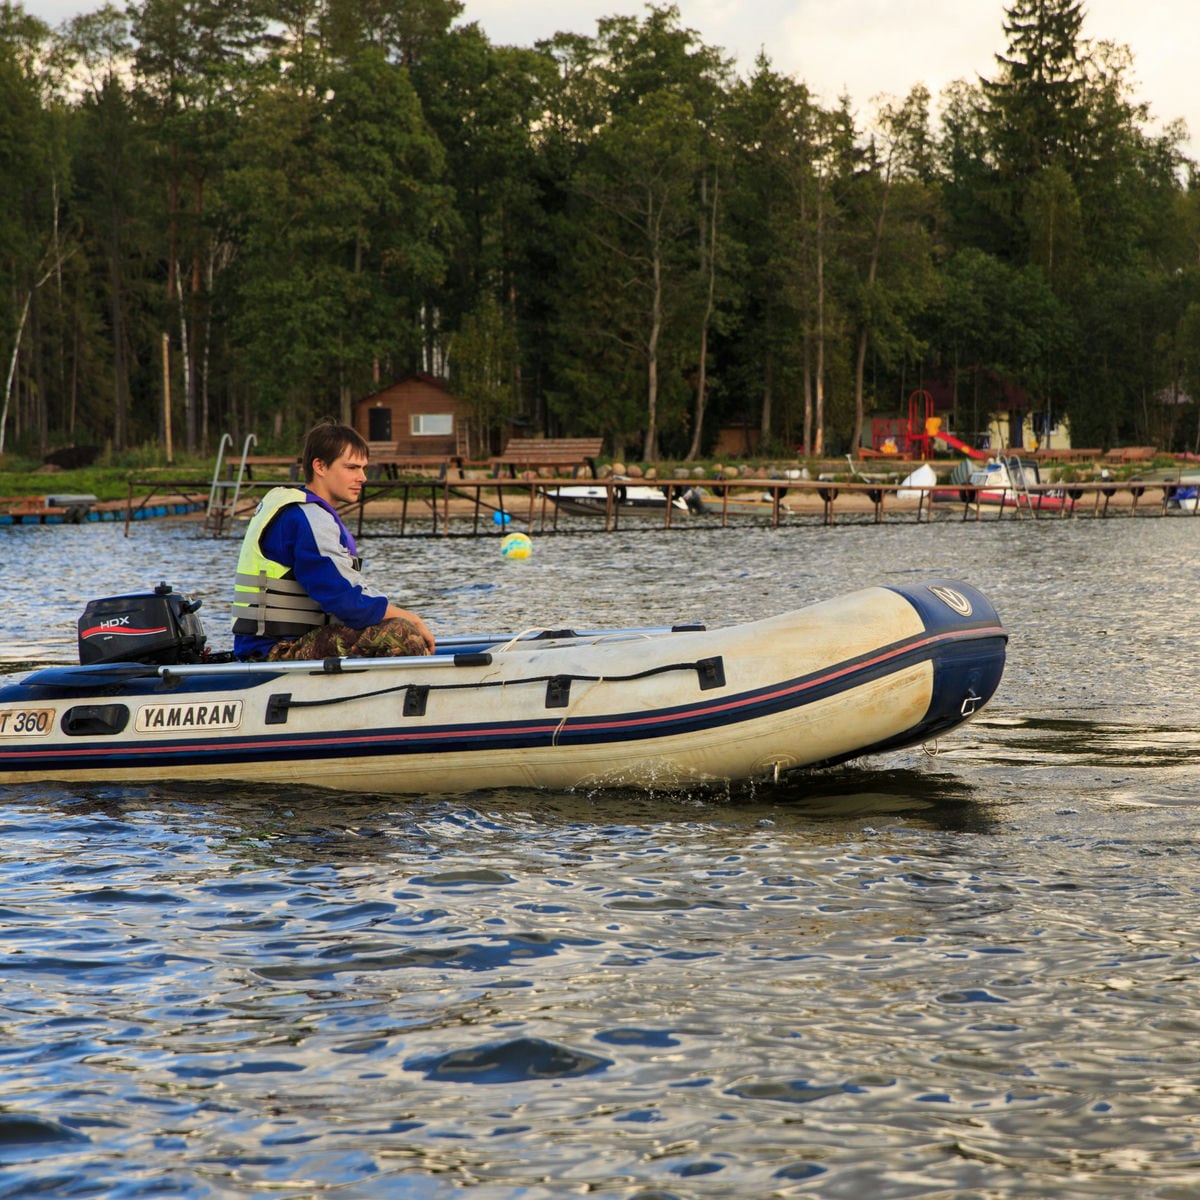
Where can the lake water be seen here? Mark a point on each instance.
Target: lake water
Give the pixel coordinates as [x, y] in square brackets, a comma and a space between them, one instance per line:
[967, 974]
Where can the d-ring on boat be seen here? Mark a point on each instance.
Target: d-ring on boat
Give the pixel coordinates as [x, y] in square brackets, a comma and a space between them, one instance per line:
[872, 671]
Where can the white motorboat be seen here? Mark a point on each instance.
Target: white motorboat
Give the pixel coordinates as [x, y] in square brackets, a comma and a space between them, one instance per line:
[619, 495]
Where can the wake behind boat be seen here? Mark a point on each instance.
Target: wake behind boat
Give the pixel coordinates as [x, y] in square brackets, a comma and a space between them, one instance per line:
[872, 671]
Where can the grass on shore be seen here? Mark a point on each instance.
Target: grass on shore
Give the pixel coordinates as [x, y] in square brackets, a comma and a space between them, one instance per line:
[22, 478]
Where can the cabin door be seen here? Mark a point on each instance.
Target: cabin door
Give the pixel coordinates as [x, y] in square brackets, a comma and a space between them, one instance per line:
[379, 424]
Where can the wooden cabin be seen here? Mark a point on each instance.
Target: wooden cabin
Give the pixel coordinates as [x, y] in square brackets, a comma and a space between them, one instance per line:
[414, 418]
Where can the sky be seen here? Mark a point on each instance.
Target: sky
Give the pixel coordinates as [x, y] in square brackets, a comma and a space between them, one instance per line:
[864, 48]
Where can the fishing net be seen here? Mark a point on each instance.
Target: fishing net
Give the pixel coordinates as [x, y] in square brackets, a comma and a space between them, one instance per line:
[396, 637]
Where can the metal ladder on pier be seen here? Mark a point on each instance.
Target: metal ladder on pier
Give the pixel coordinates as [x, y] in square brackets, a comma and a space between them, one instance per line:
[223, 494]
[1020, 485]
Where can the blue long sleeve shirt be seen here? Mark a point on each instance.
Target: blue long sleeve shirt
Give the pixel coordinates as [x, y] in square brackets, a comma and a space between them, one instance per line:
[312, 540]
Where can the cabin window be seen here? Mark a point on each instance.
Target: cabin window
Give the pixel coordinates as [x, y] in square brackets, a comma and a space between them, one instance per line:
[432, 424]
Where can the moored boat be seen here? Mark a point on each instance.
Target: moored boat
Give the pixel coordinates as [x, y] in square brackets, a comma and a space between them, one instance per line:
[771, 502]
[872, 671]
[622, 496]
[918, 485]
[1183, 493]
[1007, 482]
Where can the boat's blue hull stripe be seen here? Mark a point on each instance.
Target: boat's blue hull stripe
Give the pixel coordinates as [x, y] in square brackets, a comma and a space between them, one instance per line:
[966, 656]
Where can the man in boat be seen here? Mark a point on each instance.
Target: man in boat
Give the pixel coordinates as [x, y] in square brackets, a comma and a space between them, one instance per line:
[299, 592]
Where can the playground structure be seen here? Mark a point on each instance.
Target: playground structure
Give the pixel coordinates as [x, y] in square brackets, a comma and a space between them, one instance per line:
[913, 438]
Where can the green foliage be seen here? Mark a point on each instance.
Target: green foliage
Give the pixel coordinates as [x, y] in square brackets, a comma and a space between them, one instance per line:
[1034, 103]
[107, 480]
[483, 361]
[606, 233]
[339, 201]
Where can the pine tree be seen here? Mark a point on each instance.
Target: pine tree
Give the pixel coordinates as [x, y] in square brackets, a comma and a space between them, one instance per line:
[1034, 103]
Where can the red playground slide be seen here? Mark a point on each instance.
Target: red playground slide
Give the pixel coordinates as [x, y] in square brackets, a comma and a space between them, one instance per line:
[958, 444]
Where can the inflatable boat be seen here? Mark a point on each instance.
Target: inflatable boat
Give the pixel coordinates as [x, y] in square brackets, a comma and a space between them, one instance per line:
[658, 708]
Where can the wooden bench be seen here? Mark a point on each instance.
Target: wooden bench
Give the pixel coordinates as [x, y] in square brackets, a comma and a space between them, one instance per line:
[527, 454]
[1129, 454]
[391, 459]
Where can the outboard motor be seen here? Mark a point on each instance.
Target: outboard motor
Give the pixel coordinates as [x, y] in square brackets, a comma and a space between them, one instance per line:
[159, 627]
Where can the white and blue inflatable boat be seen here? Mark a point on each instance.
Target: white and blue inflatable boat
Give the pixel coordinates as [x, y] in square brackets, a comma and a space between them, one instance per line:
[868, 672]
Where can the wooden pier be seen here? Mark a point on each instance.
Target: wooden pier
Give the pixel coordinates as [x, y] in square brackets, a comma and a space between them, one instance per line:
[470, 507]
[477, 507]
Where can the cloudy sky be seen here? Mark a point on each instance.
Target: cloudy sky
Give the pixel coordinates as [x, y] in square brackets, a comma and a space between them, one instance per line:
[864, 48]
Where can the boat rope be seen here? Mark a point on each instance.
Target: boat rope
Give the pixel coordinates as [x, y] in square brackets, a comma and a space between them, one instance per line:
[520, 641]
[711, 673]
[531, 633]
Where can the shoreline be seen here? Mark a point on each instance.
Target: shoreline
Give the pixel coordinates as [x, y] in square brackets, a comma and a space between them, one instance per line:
[420, 501]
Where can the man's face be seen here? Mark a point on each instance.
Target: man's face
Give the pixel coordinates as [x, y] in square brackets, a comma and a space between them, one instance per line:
[340, 481]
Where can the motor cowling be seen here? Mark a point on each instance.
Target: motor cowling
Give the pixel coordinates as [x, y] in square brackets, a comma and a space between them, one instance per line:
[159, 627]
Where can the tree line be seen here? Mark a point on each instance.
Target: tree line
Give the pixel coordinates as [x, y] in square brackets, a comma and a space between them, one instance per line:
[239, 215]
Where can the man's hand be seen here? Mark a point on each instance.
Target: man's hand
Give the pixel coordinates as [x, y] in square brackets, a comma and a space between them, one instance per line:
[421, 627]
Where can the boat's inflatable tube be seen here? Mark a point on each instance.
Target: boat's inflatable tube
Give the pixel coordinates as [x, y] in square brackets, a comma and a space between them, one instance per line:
[872, 671]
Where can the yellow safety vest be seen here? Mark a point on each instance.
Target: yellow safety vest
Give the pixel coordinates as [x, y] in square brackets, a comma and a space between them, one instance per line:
[267, 599]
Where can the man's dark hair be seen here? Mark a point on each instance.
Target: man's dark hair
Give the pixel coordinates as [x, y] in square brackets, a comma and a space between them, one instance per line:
[329, 441]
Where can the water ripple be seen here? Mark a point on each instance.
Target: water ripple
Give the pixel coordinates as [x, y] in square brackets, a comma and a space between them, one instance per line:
[515, 1061]
[962, 974]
